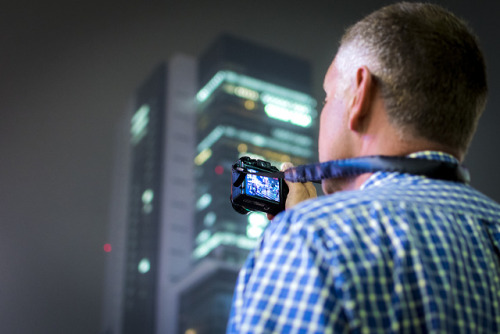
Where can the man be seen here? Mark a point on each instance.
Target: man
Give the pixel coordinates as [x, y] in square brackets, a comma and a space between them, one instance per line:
[386, 252]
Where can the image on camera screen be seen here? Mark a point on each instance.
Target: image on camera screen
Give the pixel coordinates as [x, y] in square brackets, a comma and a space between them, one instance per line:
[261, 186]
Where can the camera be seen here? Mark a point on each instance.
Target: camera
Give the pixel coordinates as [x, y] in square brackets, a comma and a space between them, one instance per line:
[252, 192]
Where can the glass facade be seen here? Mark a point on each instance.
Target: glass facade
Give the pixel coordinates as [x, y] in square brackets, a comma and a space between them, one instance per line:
[181, 242]
[249, 104]
[240, 114]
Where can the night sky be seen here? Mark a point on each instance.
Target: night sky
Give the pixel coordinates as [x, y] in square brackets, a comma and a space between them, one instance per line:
[67, 72]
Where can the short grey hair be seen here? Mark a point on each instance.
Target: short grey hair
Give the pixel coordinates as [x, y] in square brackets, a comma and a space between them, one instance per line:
[428, 66]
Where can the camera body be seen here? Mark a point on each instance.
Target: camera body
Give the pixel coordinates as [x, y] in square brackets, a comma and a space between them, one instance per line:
[250, 192]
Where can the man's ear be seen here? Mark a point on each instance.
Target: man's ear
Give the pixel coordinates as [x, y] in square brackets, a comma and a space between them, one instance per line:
[362, 99]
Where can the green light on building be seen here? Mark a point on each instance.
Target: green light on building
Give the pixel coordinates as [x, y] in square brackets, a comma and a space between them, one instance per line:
[144, 266]
[211, 86]
[147, 196]
[280, 103]
[225, 239]
[302, 147]
[203, 201]
[257, 222]
[139, 123]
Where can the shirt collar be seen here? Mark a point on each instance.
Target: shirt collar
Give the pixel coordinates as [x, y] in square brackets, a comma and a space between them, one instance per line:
[376, 178]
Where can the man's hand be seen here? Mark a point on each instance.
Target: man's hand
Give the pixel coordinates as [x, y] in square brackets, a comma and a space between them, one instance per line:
[297, 192]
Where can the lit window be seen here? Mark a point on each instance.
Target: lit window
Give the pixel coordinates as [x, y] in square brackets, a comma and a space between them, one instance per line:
[212, 138]
[242, 148]
[144, 266]
[249, 105]
[203, 156]
[203, 236]
[107, 248]
[147, 196]
[139, 123]
[222, 239]
[211, 86]
[203, 201]
[253, 89]
[286, 115]
[257, 222]
[210, 219]
[246, 93]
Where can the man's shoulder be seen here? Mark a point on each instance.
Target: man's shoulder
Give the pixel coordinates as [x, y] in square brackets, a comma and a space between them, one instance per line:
[348, 218]
[418, 194]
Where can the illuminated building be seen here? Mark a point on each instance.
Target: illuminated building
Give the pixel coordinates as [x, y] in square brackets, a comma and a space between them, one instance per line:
[240, 113]
[252, 101]
[176, 244]
[152, 204]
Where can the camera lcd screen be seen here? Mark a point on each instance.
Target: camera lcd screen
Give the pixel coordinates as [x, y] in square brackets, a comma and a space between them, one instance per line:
[262, 186]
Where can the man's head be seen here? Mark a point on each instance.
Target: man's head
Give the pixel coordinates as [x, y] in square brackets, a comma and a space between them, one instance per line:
[423, 63]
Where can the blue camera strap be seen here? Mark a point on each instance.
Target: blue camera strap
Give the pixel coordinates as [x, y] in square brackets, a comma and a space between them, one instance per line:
[370, 164]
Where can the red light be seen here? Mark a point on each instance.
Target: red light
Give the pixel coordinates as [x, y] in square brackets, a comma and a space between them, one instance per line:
[107, 248]
[219, 170]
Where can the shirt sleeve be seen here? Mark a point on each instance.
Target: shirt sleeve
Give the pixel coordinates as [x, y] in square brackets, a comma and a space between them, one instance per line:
[285, 287]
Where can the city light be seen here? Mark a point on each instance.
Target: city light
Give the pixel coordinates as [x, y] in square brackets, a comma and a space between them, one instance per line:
[139, 124]
[280, 103]
[254, 138]
[219, 170]
[257, 222]
[210, 219]
[203, 236]
[144, 266]
[147, 196]
[203, 201]
[246, 93]
[223, 238]
[249, 105]
[202, 157]
[107, 248]
[212, 138]
[242, 148]
[292, 137]
[288, 115]
[147, 199]
[211, 86]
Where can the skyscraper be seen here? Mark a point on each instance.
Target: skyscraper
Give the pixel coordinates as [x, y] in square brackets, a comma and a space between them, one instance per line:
[176, 244]
[152, 212]
[253, 101]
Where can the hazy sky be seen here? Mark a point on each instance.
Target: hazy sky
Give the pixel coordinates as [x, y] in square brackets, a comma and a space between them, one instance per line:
[67, 71]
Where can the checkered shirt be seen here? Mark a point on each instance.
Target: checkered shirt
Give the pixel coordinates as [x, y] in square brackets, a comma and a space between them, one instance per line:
[404, 254]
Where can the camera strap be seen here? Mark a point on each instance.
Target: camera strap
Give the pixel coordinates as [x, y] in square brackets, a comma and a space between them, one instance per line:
[370, 164]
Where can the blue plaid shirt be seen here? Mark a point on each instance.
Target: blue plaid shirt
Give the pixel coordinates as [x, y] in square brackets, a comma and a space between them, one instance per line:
[402, 254]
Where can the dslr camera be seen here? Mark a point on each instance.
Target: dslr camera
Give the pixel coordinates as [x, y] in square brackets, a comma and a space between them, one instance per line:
[251, 192]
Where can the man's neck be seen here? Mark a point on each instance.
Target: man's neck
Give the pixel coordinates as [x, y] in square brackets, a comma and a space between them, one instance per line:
[331, 186]
[354, 183]
[393, 145]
